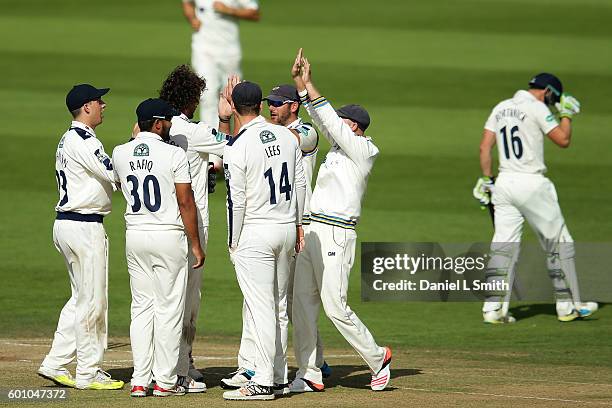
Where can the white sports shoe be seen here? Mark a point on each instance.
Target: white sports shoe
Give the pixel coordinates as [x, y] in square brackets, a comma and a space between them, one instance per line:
[568, 311]
[237, 379]
[495, 317]
[59, 377]
[191, 385]
[303, 385]
[251, 391]
[381, 379]
[102, 381]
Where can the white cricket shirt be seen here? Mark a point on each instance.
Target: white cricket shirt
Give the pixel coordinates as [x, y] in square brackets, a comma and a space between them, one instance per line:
[147, 168]
[218, 34]
[343, 175]
[520, 124]
[309, 142]
[83, 171]
[264, 177]
[198, 140]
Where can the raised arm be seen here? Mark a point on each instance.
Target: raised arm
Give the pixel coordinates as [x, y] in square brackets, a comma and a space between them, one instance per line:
[334, 128]
[206, 139]
[561, 135]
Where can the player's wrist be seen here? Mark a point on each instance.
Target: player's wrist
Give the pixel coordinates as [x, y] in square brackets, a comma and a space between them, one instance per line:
[224, 119]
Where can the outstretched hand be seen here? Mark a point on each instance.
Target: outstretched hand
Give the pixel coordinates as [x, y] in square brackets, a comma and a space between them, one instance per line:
[225, 97]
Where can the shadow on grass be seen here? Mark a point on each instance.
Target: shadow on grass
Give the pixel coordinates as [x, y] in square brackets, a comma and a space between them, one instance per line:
[527, 311]
[348, 376]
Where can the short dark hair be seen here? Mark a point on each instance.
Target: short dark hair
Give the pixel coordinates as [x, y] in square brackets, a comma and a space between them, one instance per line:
[182, 88]
[248, 109]
[75, 112]
[146, 125]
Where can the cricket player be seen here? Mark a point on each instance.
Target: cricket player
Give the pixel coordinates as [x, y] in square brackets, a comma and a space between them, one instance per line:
[156, 184]
[518, 125]
[266, 188]
[215, 45]
[182, 89]
[85, 182]
[284, 104]
[322, 270]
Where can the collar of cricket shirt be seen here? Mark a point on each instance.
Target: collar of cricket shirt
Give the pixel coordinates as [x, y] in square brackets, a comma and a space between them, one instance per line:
[148, 135]
[81, 125]
[523, 94]
[255, 121]
[295, 123]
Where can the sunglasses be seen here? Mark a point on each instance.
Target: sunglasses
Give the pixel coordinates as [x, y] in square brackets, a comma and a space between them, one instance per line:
[277, 104]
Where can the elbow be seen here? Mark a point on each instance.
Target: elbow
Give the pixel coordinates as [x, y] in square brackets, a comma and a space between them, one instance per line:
[255, 16]
[564, 144]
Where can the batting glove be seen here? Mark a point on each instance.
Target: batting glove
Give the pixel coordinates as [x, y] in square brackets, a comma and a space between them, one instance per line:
[568, 106]
[482, 190]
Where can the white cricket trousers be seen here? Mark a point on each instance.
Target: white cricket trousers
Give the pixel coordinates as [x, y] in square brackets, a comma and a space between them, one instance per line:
[520, 196]
[215, 68]
[262, 263]
[322, 276]
[157, 264]
[82, 326]
[246, 354]
[193, 295]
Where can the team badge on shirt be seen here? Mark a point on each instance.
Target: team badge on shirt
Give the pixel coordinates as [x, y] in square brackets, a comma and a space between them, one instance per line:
[141, 150]
[266, 136]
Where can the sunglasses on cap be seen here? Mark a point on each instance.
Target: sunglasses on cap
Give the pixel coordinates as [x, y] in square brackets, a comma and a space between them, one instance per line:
[277, 104]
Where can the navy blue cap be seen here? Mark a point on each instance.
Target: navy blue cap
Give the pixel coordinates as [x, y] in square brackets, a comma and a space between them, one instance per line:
[155, 109]
[246, 94]
[356, 113]
[283, 93]
[548, 81]
[80, 94]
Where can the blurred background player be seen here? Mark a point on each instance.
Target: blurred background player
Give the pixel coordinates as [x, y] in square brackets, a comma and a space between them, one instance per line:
[323, 269]
[182, 89]
[85, 182]
[215, 45]
[161, 214]
[518, 126]
[266, 189]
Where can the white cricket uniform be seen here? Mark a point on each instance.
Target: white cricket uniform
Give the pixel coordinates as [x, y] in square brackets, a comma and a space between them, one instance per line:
[156, 251]
[84, 176]
[324, 267]
[266, 189]
[309, 142]
[522, 191]
[198, 140]
[216, 51]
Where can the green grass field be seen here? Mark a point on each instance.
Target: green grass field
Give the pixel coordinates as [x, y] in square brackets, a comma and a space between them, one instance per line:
[428, 72]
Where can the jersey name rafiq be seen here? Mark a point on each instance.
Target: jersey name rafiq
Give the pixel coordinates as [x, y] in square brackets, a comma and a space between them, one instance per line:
[142, 150]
